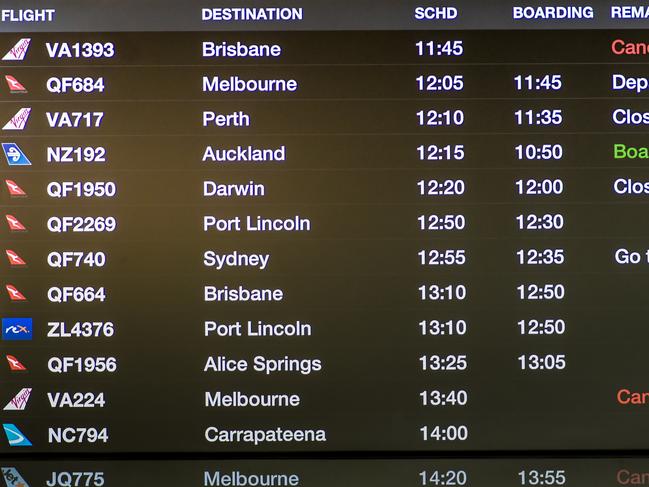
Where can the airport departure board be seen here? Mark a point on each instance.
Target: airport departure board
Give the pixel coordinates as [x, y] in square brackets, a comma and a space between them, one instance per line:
[315, 226]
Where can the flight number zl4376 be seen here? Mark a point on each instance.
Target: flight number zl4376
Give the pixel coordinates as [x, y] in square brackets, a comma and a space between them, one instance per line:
[81, 329]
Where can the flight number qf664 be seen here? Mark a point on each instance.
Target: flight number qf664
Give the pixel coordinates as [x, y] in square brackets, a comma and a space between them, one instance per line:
[68, 294]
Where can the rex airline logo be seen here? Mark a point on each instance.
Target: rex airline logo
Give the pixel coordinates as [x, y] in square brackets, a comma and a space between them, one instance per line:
[14, 364]
[19, 120]
[14, 294]
[19, 401]
[14, 259]
[15, 86]
[15, 191]
[18, 52]
[14, 224]
[17, 329]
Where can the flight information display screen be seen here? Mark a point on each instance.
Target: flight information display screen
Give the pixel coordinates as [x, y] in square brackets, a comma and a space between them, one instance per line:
[324, 226]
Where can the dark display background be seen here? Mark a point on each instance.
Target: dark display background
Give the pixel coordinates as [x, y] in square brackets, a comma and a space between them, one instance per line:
[333, 472]
[351, 136]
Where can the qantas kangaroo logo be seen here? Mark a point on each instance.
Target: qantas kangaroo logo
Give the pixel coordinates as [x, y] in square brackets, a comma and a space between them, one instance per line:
[14, 189]
[15, 86]
[14, 258]
[14, 294]
[14, 224]
[15, 365]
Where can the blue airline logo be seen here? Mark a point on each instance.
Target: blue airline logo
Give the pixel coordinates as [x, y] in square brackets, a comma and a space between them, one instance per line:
[15, 437]
[15, 156]
[17, 329]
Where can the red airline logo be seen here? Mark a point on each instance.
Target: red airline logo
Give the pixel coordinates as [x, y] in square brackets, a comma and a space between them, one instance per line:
[14, 224]
[14, 294]
[14, 85]
[15, 365]
[14, 258]
[14, 189]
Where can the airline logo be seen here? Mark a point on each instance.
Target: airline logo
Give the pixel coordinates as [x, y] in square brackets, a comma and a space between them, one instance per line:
[15, 259]
[15, 156]
[15, 437]
[15, 365]
[17, 53]
[19, 401]
[14, 294]
[19, 120]
[15, 86]
[14, 224]
[15, 191]
[13, 478]
[17, 329]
